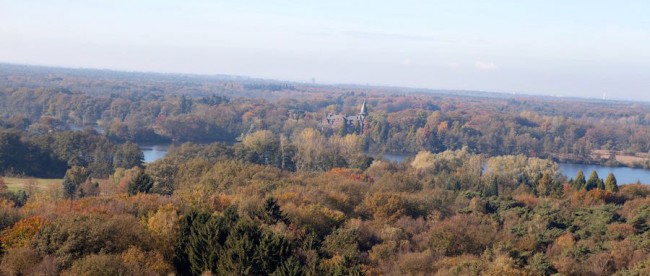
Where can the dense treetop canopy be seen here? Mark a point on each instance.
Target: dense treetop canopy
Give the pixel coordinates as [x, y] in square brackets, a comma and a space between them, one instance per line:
[255, 184]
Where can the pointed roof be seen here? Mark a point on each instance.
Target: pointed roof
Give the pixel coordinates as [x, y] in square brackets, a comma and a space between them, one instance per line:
[364, 110]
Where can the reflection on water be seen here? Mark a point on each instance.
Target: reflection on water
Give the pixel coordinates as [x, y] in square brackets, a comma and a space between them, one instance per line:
[395, 157]
[623, 175]
[154, 152]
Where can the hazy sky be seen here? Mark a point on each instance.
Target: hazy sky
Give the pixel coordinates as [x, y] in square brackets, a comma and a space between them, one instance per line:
[567, 48]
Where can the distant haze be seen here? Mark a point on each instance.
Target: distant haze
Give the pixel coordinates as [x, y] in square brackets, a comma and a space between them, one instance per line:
[565, 48]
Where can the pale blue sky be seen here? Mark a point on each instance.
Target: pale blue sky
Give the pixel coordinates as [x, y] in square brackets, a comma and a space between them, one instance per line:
[567, 48]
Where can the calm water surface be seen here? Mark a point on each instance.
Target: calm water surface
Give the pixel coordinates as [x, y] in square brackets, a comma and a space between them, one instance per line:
[154, 152]
[395, 157]
[623, 175]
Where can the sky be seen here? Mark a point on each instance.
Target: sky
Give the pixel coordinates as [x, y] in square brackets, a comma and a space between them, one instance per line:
[572, 48]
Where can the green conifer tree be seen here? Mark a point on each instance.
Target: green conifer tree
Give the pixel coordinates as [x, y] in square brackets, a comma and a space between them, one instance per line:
[272, 213]
[240, 255]
[205, 243]
[141, 183]
[593, 182]
[579, 182]
[611, 183]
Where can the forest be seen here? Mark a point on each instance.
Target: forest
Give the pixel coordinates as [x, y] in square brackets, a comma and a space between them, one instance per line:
[256, 184]
[39, 102]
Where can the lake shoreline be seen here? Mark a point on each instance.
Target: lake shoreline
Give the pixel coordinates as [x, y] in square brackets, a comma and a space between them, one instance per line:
[624, 175]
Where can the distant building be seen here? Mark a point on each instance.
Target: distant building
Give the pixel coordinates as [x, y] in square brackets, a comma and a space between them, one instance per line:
[354, 123]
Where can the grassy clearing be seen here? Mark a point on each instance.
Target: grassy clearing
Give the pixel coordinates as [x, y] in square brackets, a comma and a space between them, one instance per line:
[625, 159]
[34, 184]
[52, 188]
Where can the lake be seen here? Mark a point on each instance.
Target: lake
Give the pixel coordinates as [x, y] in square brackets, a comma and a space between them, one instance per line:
[623, 175]
[395, 157]
[154, 152]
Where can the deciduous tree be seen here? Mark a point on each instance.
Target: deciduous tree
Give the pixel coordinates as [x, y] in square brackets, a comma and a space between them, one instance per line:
[72, 180]
[128, 155]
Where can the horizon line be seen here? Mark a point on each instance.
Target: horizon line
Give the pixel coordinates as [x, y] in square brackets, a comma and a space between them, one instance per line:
[308, 82]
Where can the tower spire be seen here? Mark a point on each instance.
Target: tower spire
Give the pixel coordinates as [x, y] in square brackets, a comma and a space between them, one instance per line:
[363, 113]
[364, 110]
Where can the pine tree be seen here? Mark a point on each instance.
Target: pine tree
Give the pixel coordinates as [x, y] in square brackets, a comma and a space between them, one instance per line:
[290, 267]
[190, 243]
[601, 184]
[272, 213]
[240, 255]
[593, 182]
[205, 243]
[228, 245]
[610, 183]
[274, 251]
[141, 183]
[579, 182]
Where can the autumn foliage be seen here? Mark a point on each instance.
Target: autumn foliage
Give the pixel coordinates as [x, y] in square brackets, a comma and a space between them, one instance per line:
[480, 195]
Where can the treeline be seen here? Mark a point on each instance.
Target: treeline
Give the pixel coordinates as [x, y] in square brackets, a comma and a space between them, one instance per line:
[449, 213]
[161, 108]
[497, 127]
[49, 155]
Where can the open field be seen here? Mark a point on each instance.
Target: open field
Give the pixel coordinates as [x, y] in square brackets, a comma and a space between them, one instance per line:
[625, 159]
[33, 184]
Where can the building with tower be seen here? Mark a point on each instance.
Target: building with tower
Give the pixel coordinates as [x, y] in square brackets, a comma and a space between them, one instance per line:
[350, 124]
